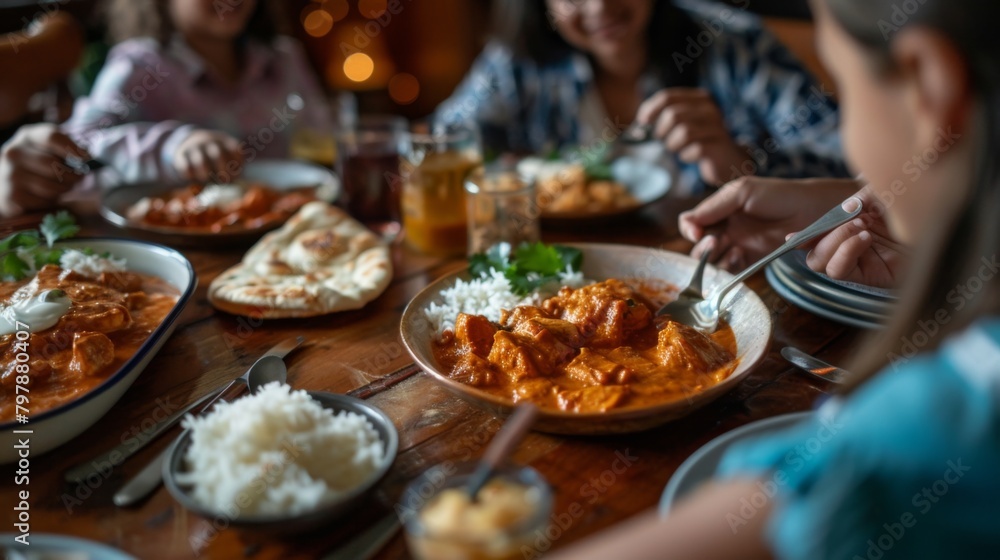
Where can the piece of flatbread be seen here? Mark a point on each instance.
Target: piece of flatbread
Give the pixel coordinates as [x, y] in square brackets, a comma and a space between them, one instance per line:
[321, 261]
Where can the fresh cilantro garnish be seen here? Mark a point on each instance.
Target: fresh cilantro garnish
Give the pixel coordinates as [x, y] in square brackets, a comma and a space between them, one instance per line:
[58, 226]
[24, 252]
[532, 266]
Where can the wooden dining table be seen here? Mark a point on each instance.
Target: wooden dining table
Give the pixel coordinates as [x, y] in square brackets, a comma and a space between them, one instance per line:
[598, 481]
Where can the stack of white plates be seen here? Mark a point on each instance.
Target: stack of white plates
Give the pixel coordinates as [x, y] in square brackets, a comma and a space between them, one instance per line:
[845, 302]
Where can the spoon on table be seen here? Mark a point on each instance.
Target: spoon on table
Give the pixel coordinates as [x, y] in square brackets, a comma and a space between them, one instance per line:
[265, 370]
[511, 434]
[369, 543]
[704, 314]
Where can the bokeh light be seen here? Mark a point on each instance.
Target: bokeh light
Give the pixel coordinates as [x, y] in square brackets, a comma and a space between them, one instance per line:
[318, 23]
[359, 67]
[404, 88]
[336, 8]
[372, 9]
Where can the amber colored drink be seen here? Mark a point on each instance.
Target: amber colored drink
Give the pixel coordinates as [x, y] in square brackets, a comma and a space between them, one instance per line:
[434, 206]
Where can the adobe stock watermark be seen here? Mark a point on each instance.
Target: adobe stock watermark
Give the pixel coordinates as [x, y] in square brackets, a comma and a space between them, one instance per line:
[901, 14]
[959, 297]
[204, 535]
[915, 168]
[794, 461]
[922, 503]
[29, 25]
[590, 492]
[119, 109]
[134, 438]
[697, 45]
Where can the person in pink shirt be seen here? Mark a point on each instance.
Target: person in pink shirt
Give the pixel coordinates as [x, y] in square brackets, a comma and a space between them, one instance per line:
[194, 90]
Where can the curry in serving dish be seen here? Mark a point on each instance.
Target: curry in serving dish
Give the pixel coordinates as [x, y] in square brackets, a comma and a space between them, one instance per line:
[591, 349]
[216, 208]
[108, 320]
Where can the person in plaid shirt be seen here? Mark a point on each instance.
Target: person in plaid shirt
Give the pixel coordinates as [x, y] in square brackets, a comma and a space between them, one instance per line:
[720, 92]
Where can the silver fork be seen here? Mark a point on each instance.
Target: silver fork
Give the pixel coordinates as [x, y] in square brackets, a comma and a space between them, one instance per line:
[692, 294]
[704, 314]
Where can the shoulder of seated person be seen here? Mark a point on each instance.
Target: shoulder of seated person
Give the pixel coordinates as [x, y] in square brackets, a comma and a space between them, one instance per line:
[138, 49]
[736, 21]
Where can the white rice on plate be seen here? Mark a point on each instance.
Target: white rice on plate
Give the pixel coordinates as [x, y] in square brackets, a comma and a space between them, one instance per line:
[277, 452]
[488, 297]
[90, 266]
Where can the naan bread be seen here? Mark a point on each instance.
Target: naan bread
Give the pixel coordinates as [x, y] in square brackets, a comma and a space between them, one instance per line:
[321, 261]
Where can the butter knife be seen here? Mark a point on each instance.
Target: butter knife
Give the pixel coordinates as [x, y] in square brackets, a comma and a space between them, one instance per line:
[99, 465]
[139, 486]
[814, 366]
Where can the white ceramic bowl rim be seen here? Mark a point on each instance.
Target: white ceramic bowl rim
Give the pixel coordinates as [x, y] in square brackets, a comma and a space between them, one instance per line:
[146, 347]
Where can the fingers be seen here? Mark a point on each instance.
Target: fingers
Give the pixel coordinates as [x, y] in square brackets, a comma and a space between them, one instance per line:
[209, 157]
[826, 248]
[716, 208]
[693, 115]
[845, 261]
[47, 138]
[652, 107]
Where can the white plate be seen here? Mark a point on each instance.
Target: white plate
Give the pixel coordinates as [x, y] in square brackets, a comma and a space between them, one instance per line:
[701, 466]
[56, 426]
[59, 547]
[647, 181]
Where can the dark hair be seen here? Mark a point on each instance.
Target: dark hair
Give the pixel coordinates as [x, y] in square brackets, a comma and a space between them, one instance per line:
[128, 19]
[950, 251]
[525, 27]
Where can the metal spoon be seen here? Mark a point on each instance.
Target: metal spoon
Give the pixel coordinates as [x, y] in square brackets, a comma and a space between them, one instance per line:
[118, 454]
[265, 370]
[513, 431]
[704, 315]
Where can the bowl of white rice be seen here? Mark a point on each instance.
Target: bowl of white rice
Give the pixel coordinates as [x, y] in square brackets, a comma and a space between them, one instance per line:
[281, 460]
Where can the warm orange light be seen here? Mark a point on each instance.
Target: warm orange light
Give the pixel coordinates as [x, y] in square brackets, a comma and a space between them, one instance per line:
[372, 9]
[336, 8]
[404, 88]
[359, 67]
[318, 23]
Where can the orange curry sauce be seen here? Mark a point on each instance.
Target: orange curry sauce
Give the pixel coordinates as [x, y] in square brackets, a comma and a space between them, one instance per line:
[110, 318]
[591, 349]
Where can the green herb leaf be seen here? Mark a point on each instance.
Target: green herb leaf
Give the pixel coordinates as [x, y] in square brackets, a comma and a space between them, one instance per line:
[571, 257]
[538, 257]
[58, 226]
[534, 264]
[21, 240]
[47, 256]
[13, 268]
[23, 252]
[496, 258]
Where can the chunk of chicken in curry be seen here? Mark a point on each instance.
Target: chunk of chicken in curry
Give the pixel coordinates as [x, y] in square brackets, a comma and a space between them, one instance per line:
[109, 319]
[591, 349]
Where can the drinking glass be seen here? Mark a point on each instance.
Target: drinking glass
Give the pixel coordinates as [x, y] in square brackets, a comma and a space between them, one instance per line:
[502, 209]
[434, 167]
[368, 164]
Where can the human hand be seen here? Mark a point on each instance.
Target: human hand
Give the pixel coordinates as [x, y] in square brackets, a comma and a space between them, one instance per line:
[208, 154]
[752, 216]
[862, 250]
[33, 172]
[691, 125]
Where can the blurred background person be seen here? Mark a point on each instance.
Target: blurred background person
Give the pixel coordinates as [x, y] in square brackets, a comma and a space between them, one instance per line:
[196, 88]
[564, 73]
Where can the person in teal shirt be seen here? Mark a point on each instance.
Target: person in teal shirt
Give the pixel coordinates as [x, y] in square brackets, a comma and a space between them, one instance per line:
[905, 462]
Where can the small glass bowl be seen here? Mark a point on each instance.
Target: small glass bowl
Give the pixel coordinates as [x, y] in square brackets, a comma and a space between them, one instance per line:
[507, 544]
